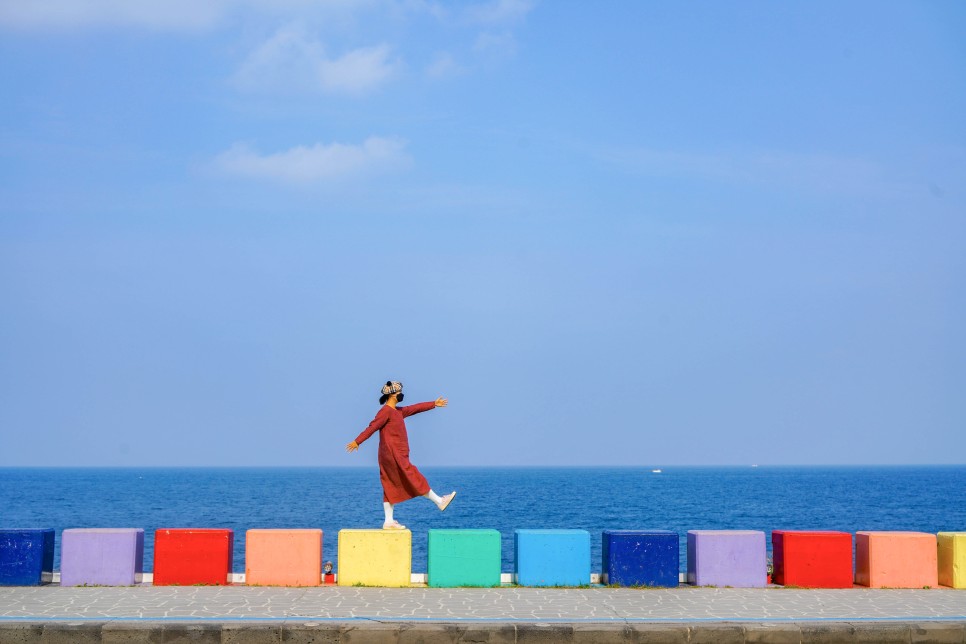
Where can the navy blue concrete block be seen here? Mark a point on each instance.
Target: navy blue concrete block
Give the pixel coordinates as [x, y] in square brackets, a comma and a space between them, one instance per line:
[640, 557]
[26, 557]
[551, 557]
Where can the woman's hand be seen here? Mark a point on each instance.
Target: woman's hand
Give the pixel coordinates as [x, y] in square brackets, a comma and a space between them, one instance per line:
[351, 447]
[441, 402]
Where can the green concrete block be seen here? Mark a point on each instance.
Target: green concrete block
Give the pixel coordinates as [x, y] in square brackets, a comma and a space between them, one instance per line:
[464, 558]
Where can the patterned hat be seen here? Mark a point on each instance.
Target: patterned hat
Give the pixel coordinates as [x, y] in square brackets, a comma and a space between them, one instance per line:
[391, 388]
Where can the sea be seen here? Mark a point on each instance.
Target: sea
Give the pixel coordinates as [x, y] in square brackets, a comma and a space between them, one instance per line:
[918, 498]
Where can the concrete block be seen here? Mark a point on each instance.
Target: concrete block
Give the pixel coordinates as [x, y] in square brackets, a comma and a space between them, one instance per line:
[551, 557]
[717, 634]
[283, 557]
[193, 556]
[812, 559]
[872, 632]
[375, 558]
[952, 559]
[643, 633]
[733, 558]
[492, 633]
[26, 557]
[21, 632]
[896, 559]
[194, 633]
[640, 557]
[101, 556]
[370, 633]
[239, 633]
[132, 633]
[463, 558]
[430, 633]
[536, 633]
[76, 633]
[312, 633]
[937, 632]
[764, 633]
[601, 633]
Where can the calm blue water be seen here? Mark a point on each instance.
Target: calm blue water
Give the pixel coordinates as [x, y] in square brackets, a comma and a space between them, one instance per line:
[927, 499]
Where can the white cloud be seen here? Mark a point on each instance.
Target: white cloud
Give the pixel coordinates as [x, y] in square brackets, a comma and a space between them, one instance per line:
[184, 15]
[292, 61]
[498, 12]
[167, 15]
[358, 71]
[444, 66]
[495, 46]
[317, 164]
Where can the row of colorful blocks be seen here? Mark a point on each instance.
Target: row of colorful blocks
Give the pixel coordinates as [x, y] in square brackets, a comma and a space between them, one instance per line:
[737, 558]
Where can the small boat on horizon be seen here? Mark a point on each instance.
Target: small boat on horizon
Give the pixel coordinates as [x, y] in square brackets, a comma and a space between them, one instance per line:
[655, 471]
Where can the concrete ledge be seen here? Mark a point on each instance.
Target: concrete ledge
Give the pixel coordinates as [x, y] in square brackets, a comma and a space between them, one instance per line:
[336, 632]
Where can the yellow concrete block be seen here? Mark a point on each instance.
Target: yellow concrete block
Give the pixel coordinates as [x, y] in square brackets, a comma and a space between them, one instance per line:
[952, 559]
[375, 558]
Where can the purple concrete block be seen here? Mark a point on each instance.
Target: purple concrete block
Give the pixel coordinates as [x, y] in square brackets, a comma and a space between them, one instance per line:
[727, 558]
[101, 556]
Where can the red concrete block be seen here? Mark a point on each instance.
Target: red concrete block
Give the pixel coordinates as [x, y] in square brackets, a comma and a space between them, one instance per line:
[193, 556]
[896, 560]
[812, 559]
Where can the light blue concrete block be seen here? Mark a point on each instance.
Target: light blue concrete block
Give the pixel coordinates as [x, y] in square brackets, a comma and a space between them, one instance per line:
[551, 557]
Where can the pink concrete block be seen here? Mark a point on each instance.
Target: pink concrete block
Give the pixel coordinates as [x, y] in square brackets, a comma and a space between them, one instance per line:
[896, 560]
[283, 557]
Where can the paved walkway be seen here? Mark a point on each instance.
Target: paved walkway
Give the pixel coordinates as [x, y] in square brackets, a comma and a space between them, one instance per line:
[590, 605]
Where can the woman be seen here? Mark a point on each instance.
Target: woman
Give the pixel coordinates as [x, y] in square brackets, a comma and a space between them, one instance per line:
[401, 480]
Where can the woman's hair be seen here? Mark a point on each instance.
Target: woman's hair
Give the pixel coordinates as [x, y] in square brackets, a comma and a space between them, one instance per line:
[384, 398]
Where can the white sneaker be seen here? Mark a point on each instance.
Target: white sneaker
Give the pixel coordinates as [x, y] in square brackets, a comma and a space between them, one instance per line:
[445, 501]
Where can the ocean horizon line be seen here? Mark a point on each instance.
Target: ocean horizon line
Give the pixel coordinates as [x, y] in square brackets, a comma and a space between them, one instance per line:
[650, 467]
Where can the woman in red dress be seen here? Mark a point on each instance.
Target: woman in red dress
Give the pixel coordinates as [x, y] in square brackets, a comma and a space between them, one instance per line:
[401, 480]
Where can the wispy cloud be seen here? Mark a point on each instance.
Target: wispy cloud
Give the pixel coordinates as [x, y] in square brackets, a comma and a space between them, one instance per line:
[182, 15]
[317, 164]
[498, 12]
[290, 60]
[358, 71]
[65, 14]
[166, 15]
[495, 46]
[444, 65]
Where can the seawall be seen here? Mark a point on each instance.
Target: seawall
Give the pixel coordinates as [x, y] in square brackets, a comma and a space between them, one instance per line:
[491, 632]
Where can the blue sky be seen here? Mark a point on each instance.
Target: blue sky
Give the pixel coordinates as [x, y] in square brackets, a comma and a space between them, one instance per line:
[621, 233]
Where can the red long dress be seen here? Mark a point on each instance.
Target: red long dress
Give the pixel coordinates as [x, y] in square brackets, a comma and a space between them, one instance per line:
[401, 480]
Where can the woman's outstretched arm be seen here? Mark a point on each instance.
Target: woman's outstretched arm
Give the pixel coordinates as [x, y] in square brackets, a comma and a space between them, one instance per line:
[377, 423]
[409, 410]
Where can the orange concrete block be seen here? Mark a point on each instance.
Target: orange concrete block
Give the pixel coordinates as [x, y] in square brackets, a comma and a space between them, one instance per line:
[283, 557]
[896, 560]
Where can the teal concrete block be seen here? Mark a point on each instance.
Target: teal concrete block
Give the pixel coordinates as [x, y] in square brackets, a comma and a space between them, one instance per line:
[551, 557]
[464, 558]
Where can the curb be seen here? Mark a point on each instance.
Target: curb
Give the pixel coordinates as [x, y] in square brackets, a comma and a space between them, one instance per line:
[952, 632]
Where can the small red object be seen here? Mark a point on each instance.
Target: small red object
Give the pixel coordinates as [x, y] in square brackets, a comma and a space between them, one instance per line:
[193, 556]
[329, 578]
[812, 559]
